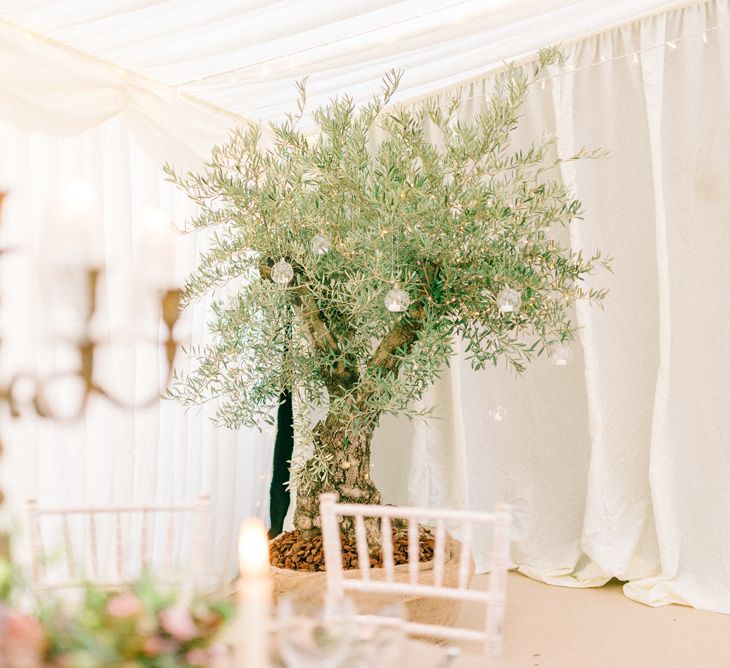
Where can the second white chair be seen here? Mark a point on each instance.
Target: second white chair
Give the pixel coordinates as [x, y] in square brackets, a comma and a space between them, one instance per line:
[83, 536]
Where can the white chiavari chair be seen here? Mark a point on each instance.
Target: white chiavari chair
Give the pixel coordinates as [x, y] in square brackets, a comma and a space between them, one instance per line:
[493, 599]
[97, 544]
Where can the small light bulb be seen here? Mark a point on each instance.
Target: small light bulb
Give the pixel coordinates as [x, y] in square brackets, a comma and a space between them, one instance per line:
[561, 354]
[555, 296]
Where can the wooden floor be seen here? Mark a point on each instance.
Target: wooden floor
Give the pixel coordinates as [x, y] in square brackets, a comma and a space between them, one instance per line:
[561, 627]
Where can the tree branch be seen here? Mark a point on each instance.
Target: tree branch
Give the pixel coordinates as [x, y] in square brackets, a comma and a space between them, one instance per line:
[404, 333]
[340, 376]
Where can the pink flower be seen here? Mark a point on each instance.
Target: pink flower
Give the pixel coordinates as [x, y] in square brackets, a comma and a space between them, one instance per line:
[123, 605]
[22, 642]
[178, 623]
[197, 657]
[64, 661]
[155, 646]
[218, 651]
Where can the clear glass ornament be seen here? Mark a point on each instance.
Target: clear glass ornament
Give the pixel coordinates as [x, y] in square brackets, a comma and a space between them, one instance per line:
[282, 272]
[508, 300]
[561, 354]
[397, 300]
[230, 301]
[498, 413]
[555, 296]
[320, 244]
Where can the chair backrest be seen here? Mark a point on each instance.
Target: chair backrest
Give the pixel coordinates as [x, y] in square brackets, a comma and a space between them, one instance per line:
[85, 534]
[493, 599]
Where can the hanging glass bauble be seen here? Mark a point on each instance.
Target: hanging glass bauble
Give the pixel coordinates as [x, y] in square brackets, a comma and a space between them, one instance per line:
[282, 272]
[397, 300]
[555, 296]
[560, 354]
[508, 300]
[498, 413]
[320, 244]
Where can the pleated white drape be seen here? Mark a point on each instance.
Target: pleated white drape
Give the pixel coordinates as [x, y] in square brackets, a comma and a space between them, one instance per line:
[617, 465]
[160, 455]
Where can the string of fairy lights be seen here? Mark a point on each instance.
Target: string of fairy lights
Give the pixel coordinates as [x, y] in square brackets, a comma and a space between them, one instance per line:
[397, 300]
[570, 68]
[263, 68]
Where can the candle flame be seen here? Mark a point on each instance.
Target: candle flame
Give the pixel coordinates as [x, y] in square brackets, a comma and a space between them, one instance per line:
[158, 220]
[253, 548]
[78, 195]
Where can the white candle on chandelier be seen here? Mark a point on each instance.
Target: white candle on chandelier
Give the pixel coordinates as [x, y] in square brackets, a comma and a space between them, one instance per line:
[76, 237]
[254, 596]
[157, 248]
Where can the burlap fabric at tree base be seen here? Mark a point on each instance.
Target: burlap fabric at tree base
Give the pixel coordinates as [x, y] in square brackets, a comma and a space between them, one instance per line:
[419, 609]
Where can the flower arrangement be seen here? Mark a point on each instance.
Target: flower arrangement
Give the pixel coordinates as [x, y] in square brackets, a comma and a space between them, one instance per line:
[9, 572]
[143, 625]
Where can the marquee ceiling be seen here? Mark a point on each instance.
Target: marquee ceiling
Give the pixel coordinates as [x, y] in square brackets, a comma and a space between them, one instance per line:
[244, 56]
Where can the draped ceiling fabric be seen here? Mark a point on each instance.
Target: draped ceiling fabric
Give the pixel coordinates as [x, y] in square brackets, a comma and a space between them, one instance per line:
[617, 465]
[172, 65]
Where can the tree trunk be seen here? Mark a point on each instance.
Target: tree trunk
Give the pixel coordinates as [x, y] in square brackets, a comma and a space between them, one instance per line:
[350, 463]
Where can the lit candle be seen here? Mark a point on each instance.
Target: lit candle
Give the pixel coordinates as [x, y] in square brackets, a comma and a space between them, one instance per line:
[254, 596]
[77, 238]
[157, 248]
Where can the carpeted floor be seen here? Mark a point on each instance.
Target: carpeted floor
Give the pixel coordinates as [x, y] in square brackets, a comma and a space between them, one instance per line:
[561, 627]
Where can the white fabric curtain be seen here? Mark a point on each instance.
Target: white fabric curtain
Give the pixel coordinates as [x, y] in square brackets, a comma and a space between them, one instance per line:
[616, 465]
[155, 456]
